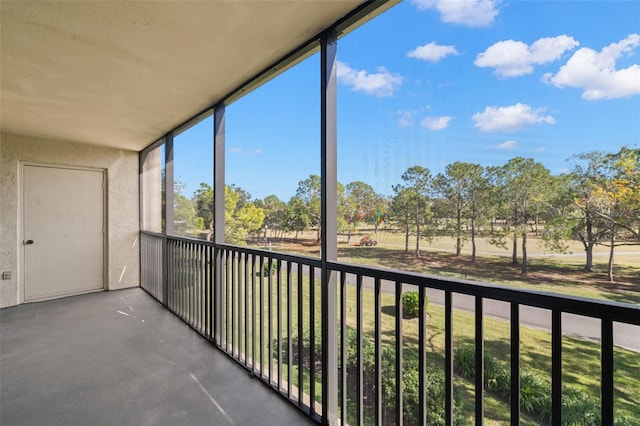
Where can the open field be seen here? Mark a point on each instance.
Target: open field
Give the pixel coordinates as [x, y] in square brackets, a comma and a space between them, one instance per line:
[551, 272]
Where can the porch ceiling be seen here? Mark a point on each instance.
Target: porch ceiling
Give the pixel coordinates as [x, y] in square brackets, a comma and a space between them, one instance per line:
[122, 74]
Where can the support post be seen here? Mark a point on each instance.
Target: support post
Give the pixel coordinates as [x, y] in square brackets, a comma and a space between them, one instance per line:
[329, 251]
[168, 185]
[218, 218]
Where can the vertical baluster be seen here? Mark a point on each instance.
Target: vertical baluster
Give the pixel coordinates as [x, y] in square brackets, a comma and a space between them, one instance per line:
[234, 286]
[515, 364]
[241, 296]
[270, 319]
[254, 333]
[479, 385]
[201, 281]
[183, 284]
[421, 356]
[189, 279]
[228, 270]
[246, 309]
[289, 324]
[300, 335]
[343, 348]
[399, 390]
[556, 367]
[378, 350]
[279, 320]
[448, 357]
[312, 340]
[360, 394]
[606, 389]
[261, 270]
[208, 288]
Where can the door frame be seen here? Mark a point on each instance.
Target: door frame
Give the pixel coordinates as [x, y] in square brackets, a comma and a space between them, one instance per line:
[21, 224]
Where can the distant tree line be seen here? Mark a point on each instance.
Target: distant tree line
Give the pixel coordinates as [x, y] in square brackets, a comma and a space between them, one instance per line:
[597, 202]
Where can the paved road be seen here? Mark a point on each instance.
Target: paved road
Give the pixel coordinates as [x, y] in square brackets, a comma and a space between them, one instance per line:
[625, 335]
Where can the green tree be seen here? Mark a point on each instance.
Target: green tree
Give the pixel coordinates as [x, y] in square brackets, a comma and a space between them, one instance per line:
[275, 215]
[415, 188]
[360, 202]
[559, 215]
[401, 212]
[240, 220]
[587, 175]
[309, 193]
[184, 216]
[523, 186]
[617, 201]
[203, 204]
[297, 217]
[463, 188]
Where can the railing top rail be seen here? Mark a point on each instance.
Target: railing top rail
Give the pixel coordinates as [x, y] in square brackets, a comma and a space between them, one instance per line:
[180, 238]
[603, 309]
[294, 258]
[153, 234]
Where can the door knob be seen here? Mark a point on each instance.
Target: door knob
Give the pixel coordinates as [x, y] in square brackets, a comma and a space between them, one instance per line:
[28, 242]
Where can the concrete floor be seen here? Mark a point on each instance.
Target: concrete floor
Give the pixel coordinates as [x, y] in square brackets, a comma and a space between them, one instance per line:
[120, 358]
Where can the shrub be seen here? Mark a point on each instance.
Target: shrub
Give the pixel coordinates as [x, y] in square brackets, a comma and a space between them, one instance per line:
[464, 361]
[579, 410]
[411, 304]
[305, 351]
[434, 389]
[497, 376]
[368, 353]
[269, 268]
[535, 395]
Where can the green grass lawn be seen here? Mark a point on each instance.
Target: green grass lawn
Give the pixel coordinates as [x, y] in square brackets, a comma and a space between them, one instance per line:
[545, 274]
[581, 364]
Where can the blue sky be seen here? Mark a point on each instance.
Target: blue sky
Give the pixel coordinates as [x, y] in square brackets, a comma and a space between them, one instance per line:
[431, 82]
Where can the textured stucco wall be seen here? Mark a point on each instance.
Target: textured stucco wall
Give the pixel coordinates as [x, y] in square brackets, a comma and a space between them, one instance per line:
[123, 261]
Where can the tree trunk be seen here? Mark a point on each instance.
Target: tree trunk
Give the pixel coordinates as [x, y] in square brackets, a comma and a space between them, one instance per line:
[318, 234]
[458, 229]
[613, 246]
[406, 238]
[349, 235]
[523, 269]
[514, 255]
[417, 233]
[473, 240]
[588, 244]
[588, 248]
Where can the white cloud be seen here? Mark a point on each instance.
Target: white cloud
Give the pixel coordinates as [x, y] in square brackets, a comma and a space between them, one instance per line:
[242, 151]
[432, 52]
[510, 118]
[540, 149]
[596, 73]
[472, 13]
[507, 145]
[381, 84]
[405, 118]
[436, 123]
[512, 58]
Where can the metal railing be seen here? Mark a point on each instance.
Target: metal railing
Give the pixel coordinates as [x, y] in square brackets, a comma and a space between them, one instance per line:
[267, 307]
[263, 310]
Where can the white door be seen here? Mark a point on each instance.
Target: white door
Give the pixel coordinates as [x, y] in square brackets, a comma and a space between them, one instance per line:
[63, 239]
